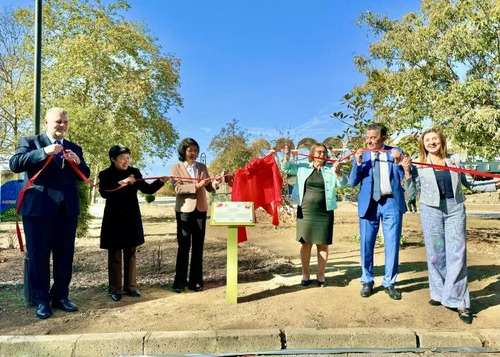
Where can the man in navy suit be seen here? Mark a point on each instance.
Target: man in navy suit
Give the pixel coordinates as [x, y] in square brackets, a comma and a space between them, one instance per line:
[381, 199]
[50, 210]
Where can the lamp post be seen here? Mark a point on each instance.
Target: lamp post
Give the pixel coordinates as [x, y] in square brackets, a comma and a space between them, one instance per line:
[38, 64]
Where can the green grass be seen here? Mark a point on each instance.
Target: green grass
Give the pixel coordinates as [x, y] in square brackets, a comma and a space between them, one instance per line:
[8, 215]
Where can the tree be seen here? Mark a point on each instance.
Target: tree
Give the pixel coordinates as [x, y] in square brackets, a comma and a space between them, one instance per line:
[436, 67]
[108, 73]
[111, 77]
[230, 148]
[16, 69]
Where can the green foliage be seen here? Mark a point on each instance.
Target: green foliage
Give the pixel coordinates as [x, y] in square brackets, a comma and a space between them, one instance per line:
[85, 216]
[16, 84]
[149, 198]
[230, 148]
[167, 190]
[107, 72]
[410, 145]
[347, 191]
[435, 67]
[9, 215]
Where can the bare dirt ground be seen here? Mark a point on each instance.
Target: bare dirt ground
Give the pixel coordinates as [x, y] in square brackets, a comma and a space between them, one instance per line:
[269, 293]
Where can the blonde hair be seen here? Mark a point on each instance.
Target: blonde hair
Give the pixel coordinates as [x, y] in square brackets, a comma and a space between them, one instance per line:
[422, 152]
[313, 149]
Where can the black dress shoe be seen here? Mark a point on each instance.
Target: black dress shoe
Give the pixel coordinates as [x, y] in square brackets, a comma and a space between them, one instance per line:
[134, 293]
[321, 284]
[43, 311]
[115, 297]
[305, 282]
[65, 305]
[196, 288]
[177, 289]
[367, 290]
[465, 315]
[393, 293]
[434, 302]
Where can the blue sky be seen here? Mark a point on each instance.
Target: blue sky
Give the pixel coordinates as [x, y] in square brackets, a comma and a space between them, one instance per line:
[276, 66]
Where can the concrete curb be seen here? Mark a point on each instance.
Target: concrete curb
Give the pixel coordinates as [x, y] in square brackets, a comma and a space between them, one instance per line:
[241, 341]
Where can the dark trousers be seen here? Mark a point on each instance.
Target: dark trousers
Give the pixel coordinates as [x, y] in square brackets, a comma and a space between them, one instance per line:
[190, 235]
[46, 235]
[115, 270]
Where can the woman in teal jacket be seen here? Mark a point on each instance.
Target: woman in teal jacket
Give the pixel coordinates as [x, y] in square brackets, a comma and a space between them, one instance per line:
[315, 196]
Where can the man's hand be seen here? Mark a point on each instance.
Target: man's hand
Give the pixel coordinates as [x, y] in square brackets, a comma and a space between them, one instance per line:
[53, 149]
[71, 156]
[397, 155]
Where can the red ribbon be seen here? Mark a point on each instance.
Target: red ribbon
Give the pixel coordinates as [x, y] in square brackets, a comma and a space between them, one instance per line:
[458, 169]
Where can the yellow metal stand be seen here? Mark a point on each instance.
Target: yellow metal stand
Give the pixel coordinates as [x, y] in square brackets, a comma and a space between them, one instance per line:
[232, 266]
[232, 215]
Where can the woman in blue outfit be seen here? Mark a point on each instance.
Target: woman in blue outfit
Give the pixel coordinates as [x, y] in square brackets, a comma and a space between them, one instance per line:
[315, 189]
[442, 214]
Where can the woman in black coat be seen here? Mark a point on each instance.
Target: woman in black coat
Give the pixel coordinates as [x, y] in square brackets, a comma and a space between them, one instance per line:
[121, 228]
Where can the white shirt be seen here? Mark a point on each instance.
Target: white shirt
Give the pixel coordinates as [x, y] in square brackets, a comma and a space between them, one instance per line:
[191, 169]
[53, 141]
[385, 184]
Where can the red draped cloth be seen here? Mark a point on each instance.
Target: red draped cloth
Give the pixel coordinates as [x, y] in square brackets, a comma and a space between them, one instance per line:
[259, 182]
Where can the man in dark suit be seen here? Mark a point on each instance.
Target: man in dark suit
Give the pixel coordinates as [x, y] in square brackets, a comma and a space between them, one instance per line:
[50, 210]
[381, 199]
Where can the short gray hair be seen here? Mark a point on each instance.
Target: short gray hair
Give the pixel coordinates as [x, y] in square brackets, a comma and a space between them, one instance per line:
[56, 111]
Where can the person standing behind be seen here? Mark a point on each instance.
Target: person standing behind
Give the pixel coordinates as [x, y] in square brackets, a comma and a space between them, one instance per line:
[121, 228]
[50, 210]
[380, 199]
[316, 183]
[442, 213]
[191, 182]
[412, 198]
[412, 203]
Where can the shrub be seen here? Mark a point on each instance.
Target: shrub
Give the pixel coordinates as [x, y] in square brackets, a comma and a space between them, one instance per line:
[9, 215]
[149, 198]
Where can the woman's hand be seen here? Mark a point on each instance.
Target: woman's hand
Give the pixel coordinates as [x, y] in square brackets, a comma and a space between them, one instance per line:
[217, 181]
[406, 163]
[337, 168]
[128, 181]
[202, 183]
[286, 152]
[359, 156]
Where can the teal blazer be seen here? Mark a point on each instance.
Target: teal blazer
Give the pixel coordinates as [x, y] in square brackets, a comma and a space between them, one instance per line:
[304, 170]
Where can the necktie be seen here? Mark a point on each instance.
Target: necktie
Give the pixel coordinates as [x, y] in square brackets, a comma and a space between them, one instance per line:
[59, 157]
[376, 177]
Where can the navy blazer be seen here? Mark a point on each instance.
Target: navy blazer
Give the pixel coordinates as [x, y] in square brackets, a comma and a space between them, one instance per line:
[54, 185]
[363, 173]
